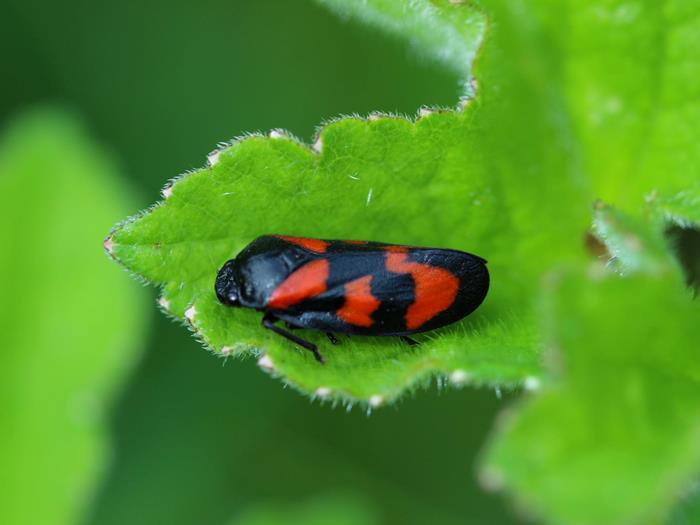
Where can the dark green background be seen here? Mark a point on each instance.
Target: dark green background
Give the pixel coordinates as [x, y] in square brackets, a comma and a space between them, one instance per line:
[160, 84]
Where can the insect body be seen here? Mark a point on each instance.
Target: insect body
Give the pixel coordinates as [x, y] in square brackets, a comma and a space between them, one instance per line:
[352, 287]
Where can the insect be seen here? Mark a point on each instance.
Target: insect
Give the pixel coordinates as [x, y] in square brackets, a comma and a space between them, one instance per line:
[352, 287]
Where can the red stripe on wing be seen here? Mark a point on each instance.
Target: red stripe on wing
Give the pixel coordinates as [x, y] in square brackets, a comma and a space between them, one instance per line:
[359, 304]
[306, 282]
[436, 288]
[314, 245]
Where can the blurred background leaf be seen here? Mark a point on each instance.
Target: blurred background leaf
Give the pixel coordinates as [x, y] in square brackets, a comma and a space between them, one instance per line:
[616, 439]
[627, 74]
[71, 326]
[622, 74]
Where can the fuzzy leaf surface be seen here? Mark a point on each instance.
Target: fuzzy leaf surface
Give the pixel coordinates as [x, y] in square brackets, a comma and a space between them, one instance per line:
[432, 181]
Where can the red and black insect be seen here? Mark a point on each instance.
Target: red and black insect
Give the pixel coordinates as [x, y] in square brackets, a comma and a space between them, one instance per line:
[352, 287]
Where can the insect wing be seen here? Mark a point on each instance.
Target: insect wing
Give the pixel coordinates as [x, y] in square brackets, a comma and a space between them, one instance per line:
[381, 289]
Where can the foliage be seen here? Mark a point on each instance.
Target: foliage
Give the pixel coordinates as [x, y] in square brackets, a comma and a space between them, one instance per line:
[71, 325]
[578, 101]
[384, 178]
[617, 435]
[613, 439]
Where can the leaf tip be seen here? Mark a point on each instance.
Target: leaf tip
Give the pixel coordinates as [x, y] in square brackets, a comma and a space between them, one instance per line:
[376, 400]
[323, 392]
[108, 244]
[265, 362]
[317, 146]
[213, 157]
[459, 377]
[190, 313]
[167, 191]
[164, 304]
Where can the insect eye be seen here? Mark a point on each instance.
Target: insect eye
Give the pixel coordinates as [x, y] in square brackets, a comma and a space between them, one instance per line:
[228, 296]
[226, 287]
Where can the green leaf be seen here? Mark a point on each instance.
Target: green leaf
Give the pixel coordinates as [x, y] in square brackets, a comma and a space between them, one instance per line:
[567, 446]
[435, 181]
[612, 440]
[350, 190]
[71, 325]
[616, 437]
[321, 510]
[628, 71]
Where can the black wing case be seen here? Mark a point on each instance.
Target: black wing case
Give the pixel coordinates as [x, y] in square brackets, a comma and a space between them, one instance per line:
[378, 289]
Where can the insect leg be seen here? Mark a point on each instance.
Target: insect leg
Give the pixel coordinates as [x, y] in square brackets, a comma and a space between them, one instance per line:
[408, 340]
[268, 321]
[332, 338]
